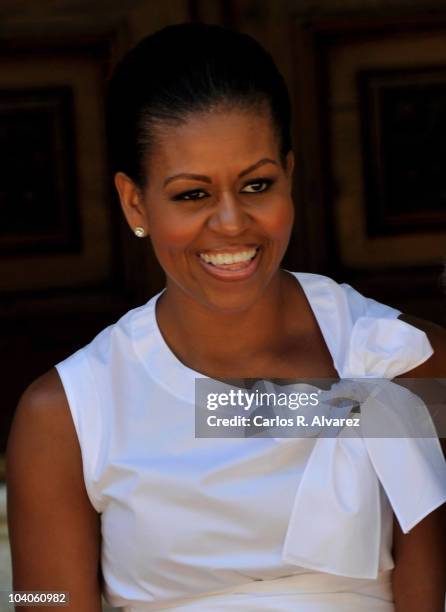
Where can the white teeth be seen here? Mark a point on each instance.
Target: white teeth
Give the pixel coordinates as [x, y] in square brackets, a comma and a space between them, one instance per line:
[228, 258]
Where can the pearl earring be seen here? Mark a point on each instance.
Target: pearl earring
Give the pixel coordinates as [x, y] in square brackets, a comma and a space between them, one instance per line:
[140, 232]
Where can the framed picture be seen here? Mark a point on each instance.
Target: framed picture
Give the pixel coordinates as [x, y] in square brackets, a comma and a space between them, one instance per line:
[38, 193]
[57, 215]
[370, 101]
[403, 120]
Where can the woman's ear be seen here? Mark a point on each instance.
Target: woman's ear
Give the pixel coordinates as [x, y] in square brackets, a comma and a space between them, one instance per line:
[131, 202]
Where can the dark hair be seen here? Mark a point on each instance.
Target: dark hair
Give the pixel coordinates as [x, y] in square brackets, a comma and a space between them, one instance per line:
[182, 69]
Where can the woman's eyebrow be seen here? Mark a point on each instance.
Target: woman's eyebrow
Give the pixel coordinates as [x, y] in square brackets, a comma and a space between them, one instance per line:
[207, 179]
[261, 162]
[187, 175]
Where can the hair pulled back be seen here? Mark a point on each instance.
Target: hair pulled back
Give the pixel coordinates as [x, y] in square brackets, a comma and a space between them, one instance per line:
[182, 69]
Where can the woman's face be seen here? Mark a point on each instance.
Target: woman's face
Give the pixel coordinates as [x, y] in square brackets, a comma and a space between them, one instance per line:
[217, 206]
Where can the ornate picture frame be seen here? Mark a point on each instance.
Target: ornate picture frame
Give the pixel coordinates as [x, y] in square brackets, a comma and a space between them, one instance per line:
[38, 194]
[403, 123]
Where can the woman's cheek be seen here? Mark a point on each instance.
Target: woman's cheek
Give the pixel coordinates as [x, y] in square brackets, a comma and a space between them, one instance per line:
[174, 230]
[171, 243]
[281, 223]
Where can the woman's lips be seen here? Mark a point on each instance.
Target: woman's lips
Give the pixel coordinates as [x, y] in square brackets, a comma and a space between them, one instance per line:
[235, 271]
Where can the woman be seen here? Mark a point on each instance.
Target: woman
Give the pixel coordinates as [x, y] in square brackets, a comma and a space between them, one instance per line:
[118, 485]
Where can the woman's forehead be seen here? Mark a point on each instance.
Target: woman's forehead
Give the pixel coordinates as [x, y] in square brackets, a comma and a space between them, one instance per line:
[213, 138]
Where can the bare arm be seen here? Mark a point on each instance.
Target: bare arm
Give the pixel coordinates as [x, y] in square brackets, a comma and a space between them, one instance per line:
[54, 530]
[420, 567]
[419, 578]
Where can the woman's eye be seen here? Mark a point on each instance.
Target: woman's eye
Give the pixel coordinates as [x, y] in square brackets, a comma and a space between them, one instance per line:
[257, 186]
[191, 195]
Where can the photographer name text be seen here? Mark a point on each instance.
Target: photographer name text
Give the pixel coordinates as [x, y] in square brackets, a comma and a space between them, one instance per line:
[295, 421]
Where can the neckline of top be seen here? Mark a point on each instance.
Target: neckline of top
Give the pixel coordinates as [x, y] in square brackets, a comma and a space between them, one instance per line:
[179, 379]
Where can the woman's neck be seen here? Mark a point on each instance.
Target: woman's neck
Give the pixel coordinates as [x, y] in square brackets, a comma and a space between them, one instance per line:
[221, 343]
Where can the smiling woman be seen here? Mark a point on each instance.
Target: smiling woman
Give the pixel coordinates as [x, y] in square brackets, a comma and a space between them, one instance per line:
[123, 496]
[216, 189]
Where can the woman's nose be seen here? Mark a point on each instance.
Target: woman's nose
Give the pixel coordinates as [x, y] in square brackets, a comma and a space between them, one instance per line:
[229, 216]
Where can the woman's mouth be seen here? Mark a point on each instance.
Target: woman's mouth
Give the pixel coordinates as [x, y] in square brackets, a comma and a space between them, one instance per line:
[230, 261]
[231, 265]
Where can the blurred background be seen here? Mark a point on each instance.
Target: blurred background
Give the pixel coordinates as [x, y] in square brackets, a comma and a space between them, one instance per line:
[368, 85]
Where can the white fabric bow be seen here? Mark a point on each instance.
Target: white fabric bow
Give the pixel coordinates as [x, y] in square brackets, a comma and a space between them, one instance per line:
[338, 522]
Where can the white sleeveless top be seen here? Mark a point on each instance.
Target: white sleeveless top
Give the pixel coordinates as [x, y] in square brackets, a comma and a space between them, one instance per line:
[247, 524]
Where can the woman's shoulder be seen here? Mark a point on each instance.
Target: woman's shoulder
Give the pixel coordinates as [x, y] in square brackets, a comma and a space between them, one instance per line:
[42, 426]
[60, 418]
[43, 414]
[44, 401]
